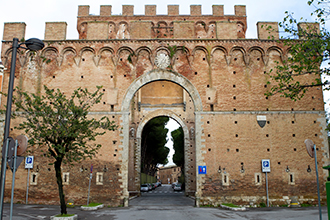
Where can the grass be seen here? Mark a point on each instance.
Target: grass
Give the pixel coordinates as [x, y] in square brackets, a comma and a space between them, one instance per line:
[92, 204]
[64, 215]
[306, 205]
[230, 205]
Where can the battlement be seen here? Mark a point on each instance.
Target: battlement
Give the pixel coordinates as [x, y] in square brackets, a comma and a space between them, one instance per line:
[150, 10]
[152, 26]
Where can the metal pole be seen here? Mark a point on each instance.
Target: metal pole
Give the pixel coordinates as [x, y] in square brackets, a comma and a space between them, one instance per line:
[89, 187]
[4, 160]
[7, 121]
[318, 185]
[267, 190]
[27, 187]
[13, 183]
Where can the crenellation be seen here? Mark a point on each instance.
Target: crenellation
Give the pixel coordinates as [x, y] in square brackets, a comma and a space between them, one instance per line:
[105, 10]
[13, 30]
[267, 30]
[173, 10]
[308, 27]
[240, 10]
[55, 31]
[217, 10]
[128, 10]
[83, 10]
[150, 10]
[162, 26]
[195, 10]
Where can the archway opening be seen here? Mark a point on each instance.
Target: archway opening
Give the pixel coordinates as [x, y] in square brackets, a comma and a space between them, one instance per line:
[161, 93]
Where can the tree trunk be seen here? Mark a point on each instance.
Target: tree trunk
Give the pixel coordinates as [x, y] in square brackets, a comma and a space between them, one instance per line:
[58, 171]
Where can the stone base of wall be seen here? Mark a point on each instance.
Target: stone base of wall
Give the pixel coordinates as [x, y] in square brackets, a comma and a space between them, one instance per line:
[255, 201]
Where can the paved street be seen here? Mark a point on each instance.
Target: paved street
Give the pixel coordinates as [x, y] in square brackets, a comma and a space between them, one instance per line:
[163, 204]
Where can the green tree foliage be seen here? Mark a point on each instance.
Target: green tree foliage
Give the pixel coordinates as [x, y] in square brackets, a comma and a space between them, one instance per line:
[60, 127]
[309, 48]
[178, 146]
[154, 151]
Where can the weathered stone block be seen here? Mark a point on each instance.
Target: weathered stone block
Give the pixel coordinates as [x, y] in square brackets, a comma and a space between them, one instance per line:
[226, 30]
[240, 10]
[128, 10]
[105, 10]
[173, 10]
[140, 29]
[55, 31]
[150, 10]
[195, 10]
[112, 96]
[184, 29]
[308, 27]
[97, 30]
[14, 30]
[83, 10]
[267, 30]
[211, 95]
[217, 10]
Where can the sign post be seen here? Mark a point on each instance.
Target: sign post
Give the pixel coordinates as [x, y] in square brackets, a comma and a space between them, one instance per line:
[89, 186]
[311, 150]
[265, 169]
[28, 165]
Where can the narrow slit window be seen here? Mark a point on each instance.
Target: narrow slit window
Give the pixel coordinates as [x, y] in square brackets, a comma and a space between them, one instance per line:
[34, 179]
[65, 178]
[99, 178]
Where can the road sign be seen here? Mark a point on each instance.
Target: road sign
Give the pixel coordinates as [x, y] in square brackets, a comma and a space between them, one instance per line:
[29, 162]
[265, 165]
[201, 169]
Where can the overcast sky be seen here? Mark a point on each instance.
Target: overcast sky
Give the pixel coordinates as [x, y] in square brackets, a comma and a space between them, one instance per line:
[36, 12]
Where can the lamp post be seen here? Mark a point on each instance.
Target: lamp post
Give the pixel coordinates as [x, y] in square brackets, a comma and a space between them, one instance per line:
[32, 44]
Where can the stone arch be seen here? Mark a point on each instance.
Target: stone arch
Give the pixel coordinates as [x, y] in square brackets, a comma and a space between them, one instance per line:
[252, 50]
[156, 75]
[154, 114]
[48, 49]
[270, 50]
[69, 49]
[85, 49]
[232, 53]
[161, 24]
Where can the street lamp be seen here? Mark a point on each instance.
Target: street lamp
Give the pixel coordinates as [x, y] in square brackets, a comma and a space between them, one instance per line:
[32, 44]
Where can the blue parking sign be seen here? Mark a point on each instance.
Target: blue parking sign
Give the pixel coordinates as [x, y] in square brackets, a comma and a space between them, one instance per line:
[265, 164]
[29, 162]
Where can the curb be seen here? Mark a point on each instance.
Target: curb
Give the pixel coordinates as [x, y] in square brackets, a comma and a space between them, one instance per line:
[232, 208]
[74, 217]
[92, 208]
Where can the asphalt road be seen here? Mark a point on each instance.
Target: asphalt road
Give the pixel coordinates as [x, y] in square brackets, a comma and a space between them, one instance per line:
[164, 204]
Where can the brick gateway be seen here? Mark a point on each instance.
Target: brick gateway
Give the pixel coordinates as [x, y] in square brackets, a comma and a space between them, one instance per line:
[199, 70]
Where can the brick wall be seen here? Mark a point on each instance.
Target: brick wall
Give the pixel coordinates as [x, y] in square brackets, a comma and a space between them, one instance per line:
[219, 92]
